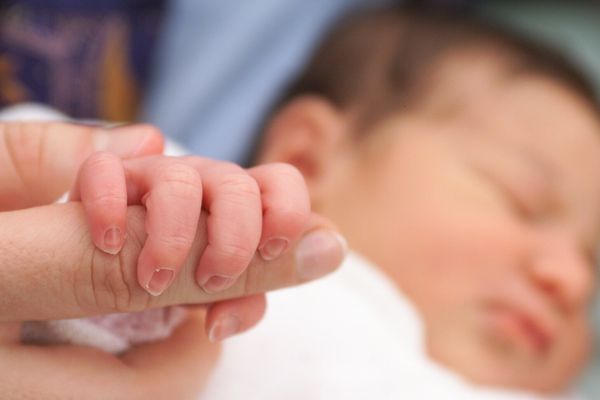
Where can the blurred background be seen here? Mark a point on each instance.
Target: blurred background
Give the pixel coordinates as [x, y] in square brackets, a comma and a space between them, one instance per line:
[207, 72]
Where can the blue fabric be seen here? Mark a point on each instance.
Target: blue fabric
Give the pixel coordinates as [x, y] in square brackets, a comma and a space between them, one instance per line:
[222, 63]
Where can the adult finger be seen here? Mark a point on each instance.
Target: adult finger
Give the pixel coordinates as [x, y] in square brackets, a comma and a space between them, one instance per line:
[285, 204]
[39, 161]
[65, 275]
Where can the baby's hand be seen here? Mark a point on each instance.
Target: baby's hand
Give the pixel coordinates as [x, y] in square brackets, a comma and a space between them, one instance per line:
[263, 208]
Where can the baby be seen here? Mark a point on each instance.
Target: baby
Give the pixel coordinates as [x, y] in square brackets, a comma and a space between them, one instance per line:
[464, 164]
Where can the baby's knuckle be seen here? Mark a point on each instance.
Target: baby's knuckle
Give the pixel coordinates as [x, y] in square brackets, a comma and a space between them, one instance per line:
[101, 160]
[237, 253]
[226, 168]
[292, 218]
[176, 242]
[181, 178]
[108, 200]
[240, 186]
[287, 171]
[178, 171]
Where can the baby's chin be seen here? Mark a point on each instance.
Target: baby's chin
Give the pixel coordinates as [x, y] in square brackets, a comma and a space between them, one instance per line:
[498, 364]
[541, 378]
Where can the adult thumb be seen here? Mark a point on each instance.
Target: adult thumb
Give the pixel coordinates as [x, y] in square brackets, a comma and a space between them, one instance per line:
[39, 161]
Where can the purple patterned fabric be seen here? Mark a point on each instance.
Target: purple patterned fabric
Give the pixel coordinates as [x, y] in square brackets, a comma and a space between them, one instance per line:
[54, 51]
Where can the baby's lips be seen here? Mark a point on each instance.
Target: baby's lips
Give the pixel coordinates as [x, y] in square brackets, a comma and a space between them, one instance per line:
[519, 330]
[528, 319]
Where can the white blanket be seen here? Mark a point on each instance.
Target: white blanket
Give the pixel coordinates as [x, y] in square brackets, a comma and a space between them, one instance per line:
[350, 336]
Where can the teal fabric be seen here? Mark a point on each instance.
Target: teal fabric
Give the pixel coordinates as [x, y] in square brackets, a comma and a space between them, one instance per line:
[571, 26]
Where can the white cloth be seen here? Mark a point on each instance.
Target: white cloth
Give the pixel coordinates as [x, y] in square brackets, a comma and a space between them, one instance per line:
[349, 336]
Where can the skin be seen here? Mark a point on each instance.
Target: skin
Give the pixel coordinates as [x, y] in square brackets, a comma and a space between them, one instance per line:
[50, 268]
[483, 206]
[263, 208]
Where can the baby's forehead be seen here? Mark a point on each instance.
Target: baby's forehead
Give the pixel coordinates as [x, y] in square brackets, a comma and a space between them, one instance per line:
[483, 75]
[465, 79]
[539, 119]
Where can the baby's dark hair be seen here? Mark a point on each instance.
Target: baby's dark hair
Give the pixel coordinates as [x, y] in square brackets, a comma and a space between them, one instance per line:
[380, 61]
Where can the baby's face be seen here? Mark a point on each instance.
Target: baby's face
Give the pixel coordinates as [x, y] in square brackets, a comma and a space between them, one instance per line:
[487, 217]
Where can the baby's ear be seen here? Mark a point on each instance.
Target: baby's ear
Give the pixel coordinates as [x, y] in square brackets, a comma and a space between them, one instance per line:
[308, 133]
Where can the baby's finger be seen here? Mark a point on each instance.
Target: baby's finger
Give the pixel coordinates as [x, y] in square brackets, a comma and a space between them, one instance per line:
[172, 193]
[285, 204]
[230, 317]
[102, 190]
[232, 198]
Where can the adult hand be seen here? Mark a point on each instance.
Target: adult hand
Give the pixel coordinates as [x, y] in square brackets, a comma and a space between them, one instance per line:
[49, 268]
[40, 161]
[175, 368]
[66, 276]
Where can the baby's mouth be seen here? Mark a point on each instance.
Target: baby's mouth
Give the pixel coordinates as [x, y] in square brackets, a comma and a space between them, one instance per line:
[523, 331]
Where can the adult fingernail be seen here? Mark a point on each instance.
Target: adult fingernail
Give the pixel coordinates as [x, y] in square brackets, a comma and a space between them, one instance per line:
[224, 328]
[273, 248]
[217, 283]
[113, 240]
[159, 282]
[319, 253]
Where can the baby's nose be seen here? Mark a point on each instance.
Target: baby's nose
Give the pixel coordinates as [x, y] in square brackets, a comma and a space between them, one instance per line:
[560, 268]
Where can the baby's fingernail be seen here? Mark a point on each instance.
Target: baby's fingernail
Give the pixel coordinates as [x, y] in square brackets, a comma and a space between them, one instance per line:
[217, 283]
[160, 281]
[273, 248]
[223, 328]
[319, 253]
[113, 240]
